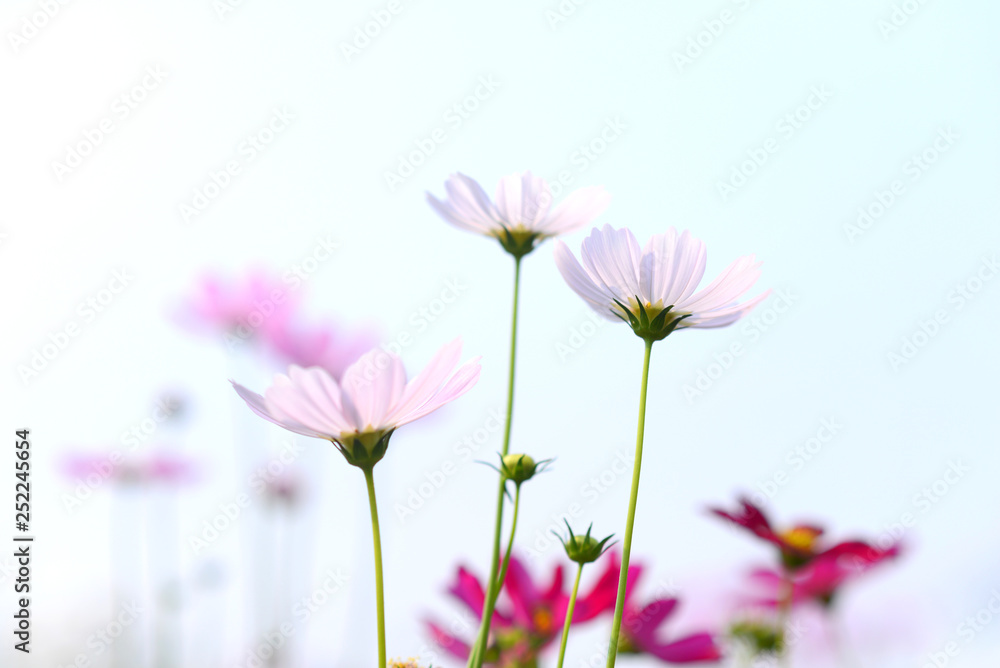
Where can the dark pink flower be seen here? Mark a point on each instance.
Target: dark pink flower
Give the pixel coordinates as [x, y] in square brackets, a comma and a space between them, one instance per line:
[798, 545]
[532, 615]
[822, 578]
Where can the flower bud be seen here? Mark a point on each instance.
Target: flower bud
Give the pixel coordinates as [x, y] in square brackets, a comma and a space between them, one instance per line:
[519, 467]
[761, 638]
[584, 549]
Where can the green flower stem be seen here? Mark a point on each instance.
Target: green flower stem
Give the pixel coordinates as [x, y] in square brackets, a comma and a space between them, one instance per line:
[569, 616]
[379, 594]
[784, 611]
[510, 542]
[479, 648]
[627, 543]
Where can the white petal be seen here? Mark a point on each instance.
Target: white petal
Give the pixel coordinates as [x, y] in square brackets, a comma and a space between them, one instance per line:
[576, 211]
[468, 206]
[461, 382]
[259, 406]
[581, 283]
[612, 258]
[423, 387]
[727, 288]
[724, 316]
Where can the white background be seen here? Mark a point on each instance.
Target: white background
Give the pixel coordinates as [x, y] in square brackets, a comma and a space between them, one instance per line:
[687, 126]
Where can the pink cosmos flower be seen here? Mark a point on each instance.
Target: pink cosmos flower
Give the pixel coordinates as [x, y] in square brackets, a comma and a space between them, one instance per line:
[328, 346]
[799, 545]
[822, 579]
[653, 288]
[528, 620]
[360, 413]
[242, 308]
[535, 615]
[521, 216]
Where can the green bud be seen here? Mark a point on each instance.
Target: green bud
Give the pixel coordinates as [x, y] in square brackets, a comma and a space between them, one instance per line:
[519, 467]
[363, 449]
[760, 637]
[583, 549]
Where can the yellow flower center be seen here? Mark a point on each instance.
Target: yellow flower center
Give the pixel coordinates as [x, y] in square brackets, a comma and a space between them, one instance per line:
[543, 620]
[802, 538]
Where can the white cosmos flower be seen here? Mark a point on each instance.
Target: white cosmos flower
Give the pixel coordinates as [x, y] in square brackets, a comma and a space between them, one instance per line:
[521, 215]
[372, 399]
[653, 288]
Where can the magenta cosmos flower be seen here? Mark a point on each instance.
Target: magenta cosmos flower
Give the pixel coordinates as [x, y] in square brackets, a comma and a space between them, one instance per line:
[653, 288]
[822, 579]
[531, 619]
[520, 216]
[536, 614]
[360, 413]
[801, 544]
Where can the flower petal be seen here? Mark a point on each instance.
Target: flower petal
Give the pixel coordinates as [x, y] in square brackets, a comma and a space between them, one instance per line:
[599, 298]
[576, 211]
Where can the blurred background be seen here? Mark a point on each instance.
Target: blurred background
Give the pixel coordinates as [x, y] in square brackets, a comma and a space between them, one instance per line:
[165, 166]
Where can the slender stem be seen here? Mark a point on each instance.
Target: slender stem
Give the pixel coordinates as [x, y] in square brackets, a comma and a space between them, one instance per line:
[492, 591]
[510, 542]
[379, 595]
[569, 616]
[784, 610]
[630, 520]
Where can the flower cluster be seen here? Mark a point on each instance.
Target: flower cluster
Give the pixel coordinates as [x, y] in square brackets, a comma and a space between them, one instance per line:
[358, 405]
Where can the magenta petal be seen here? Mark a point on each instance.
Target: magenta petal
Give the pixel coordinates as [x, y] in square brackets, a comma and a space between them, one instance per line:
[697, 647]
[468, 590]
[448, 642]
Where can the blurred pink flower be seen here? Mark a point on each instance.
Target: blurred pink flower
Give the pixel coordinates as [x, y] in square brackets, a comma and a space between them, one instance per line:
[328, 346]
[821, 579]
[242, 308]
[148, 468]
